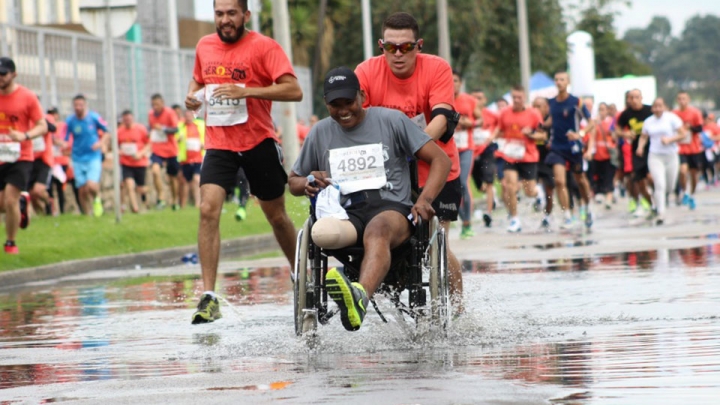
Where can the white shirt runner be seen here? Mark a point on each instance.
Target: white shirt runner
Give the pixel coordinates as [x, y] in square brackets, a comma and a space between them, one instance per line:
[358, 168]
[224, 113]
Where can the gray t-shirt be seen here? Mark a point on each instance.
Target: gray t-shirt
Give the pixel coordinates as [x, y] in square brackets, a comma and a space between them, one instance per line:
[400, 139]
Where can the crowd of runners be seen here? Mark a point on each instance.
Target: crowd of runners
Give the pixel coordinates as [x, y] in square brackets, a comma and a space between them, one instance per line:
[562, 151]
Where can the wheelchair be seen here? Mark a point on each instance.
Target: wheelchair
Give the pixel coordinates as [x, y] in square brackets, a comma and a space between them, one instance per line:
[418, 266]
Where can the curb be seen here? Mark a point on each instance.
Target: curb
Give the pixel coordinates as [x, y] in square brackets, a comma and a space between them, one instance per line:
[246, 246]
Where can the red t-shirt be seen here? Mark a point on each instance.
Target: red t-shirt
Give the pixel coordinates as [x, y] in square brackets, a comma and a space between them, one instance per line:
[132, 141]
[19, 110]
[61, 155]
[430, 84]
[490, 122]
[465, 105]
[43, 146]
[302, 132]
[511, 124]
[603, 140]
[167, 119]
[692, 116]
[193, 156]
[255, 61]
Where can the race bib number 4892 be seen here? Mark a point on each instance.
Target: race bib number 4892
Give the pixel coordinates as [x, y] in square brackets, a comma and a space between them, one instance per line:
[224, 113]
[358, 168]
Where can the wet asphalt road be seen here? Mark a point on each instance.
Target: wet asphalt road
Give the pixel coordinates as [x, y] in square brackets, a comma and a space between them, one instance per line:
[628, 313]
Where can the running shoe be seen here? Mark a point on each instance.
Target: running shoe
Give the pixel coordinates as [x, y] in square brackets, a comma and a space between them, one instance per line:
[488, 220]
[545, 224]
[589, 219]
[240, 214]
[639, 212]
[98, 209]
[350, 297]
[645, 204]
[160, 205]
[659, 221]
[208, 310]
[537, 205]
[608, 207]
[632, 206]
[567, 224]
[467, 232]
[176, 207]
[685, 199]
[583, 213]
[11, 248]
[24, 203]
[514, 226]
[691, 203]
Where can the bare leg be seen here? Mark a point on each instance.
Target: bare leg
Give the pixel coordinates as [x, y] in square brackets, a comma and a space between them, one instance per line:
[212, 197]
[561, 187]
[11, 204]
[490, 197]
[682, 178]
[174, 186]
[195, 187]
[510, 189]
[382, 234]
[132, 196]
[454, 273]
[283, 228]
[694, 177]
[157, 180]
[584, 186]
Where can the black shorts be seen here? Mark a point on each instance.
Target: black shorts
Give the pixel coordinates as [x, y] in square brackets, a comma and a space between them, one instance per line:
[135, 173]
[262, 164]
[360, 214]
[17, 174]
[694, 161]
[190, 170]
[483, 171]
[640, 167]
[41, 173]
[545, 175]
[572, 161]
[525, 171]
[172, 167]
[447, 202]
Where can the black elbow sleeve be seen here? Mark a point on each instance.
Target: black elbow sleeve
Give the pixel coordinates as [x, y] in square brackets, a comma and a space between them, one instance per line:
[452, 120]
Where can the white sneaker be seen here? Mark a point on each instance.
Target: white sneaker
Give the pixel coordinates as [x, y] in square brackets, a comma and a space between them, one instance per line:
[639, 212]
[514, 225]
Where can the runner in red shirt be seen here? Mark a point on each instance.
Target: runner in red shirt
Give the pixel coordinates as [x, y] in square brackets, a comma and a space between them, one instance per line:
[43, 162]
[163, 123]
[302, 131]
[518, 130]
[690, 149]
[470, 118]
[61, 157]
[240, 73]
[603, 169]
[134, 148]
[21, 120]
[421, 86]
[192, 132]
[484, 167]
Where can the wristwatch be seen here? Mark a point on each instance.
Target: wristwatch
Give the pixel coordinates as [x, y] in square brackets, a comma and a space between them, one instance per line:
[27, 137]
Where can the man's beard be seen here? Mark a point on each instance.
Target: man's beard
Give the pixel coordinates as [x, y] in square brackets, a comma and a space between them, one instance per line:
[238, 34]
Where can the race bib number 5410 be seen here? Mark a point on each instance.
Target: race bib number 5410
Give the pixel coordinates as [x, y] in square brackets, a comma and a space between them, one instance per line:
[358, 168]
[224, 113]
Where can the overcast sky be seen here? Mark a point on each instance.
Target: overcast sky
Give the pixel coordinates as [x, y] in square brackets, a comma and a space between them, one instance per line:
[637, 16]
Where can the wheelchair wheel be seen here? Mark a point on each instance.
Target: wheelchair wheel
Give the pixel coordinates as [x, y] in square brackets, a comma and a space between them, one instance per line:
[305, 321]
[439, 280]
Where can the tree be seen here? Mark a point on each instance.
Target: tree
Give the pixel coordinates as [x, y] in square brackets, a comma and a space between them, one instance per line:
[613, 57]
[648, 43]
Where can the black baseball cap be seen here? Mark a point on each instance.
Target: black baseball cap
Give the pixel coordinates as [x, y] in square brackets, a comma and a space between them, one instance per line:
[7, 65]
[340, 82]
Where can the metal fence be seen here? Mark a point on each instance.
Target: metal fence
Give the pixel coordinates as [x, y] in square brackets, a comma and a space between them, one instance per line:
[57, 65]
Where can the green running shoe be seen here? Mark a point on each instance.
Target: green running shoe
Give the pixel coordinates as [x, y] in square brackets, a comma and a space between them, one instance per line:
[632, 206]
[467, 232]
[208, 310]
[645, 204]
[240, 214]
[350, 297]
[98, 209]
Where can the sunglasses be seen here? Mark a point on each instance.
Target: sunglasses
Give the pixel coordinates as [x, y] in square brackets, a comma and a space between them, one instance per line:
[404, 48]
[4, 73]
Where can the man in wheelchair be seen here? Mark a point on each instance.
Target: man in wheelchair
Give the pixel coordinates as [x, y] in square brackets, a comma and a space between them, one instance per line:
[364, 152]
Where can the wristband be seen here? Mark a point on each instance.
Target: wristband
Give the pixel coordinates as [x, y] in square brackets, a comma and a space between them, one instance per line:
[27, 136]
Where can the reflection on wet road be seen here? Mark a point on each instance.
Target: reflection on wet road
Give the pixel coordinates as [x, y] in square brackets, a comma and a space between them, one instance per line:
[640, 328]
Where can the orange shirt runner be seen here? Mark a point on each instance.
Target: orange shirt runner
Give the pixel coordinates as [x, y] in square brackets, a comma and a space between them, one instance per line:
[19, 110]
[163, 145]
[490, 122]
[692, 116]
[193, 144]
[254, 61]
[603, 140]
[465, 105]
[517, 147]
[430, 84]
[132, 143]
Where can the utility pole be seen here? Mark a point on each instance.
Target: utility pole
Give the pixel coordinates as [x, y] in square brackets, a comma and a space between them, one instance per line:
[112, 104]
[524, 38]
[255, 9]
[367, 30]
[288, 116]
[443, 30]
